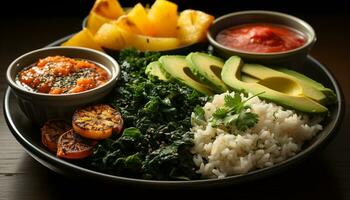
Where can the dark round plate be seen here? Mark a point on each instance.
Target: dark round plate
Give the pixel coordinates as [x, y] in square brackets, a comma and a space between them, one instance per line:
[29, 137]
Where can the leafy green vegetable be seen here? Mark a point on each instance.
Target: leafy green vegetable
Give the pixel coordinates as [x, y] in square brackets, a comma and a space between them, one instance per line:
[221, 113]
[157, 143]
[234, 101]
[197, 117]
[246, 120]
[199, 112]
[132, 132]
[234, 113]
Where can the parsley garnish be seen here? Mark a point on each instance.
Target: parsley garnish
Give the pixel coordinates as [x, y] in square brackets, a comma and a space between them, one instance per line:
[234, 113]
[198, 116]
[246, 120]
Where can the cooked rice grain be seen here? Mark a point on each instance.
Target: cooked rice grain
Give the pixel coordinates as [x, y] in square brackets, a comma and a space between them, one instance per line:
[278, 135]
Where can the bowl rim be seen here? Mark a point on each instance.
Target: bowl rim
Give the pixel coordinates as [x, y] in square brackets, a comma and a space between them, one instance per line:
[310, 39]
[114, 74]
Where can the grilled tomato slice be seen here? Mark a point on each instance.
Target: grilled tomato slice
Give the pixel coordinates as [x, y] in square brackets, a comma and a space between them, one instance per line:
[97, 122]
[51, 131]
[73, 146]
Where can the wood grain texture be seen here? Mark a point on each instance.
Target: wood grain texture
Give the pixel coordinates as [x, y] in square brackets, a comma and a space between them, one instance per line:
[323, 176]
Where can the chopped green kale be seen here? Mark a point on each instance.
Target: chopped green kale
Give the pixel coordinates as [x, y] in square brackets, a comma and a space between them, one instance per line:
[156, 143]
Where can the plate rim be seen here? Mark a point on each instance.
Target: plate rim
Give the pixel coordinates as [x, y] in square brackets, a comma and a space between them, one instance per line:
[50, 161]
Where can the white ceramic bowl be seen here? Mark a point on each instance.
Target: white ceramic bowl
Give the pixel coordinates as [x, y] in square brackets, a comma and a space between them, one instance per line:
[286, 58]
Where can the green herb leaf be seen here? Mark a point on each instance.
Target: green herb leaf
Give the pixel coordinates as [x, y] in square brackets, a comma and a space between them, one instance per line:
[232, 101]
[220, 113]
[246, 120]
[199, 112]
[230, 119]
[198, 116]
[234, 113]
[132, 132]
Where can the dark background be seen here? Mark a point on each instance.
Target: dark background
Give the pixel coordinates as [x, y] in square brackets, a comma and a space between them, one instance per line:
[71, 8]
[32, 24]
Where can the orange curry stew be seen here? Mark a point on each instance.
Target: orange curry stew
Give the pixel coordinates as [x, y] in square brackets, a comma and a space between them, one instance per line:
[62, 75]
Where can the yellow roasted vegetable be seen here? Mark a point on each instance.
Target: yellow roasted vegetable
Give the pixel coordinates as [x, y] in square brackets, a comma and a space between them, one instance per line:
[163, 16]
[155, 29]
[114, 37]
[108, 8]
[95, 21]
[138, 15]
[148, 43]
[193, 26]
[83, 39]
[110, 36]
[102, 12]
[125, 23]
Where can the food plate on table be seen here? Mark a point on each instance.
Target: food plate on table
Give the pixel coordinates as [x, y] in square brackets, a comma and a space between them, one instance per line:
[170, 121]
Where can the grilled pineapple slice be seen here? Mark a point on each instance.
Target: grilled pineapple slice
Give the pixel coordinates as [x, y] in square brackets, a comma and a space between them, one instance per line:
[193, 26]
[138, 16]
[108, 8]
[83, 39]
[95, 21]
[102, 12]
[163, 17]
[112, 36]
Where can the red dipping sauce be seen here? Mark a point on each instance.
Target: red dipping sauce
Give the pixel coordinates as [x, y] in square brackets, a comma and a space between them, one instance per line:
[261, 38]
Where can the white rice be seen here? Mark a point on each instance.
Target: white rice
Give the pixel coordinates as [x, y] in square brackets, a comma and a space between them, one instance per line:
[278, 135]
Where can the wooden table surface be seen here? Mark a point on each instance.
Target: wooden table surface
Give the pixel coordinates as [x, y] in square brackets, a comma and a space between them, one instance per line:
[325, 175]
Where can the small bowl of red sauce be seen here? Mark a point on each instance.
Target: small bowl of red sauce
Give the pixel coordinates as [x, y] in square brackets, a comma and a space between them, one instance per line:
[52, 82]
[262, 36]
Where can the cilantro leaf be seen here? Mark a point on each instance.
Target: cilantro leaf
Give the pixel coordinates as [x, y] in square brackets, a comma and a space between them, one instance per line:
[234, 113]
[230, 120]
[199, 112]
[246, 120]
[232, 101]
[197, 116]
[220, 112]
[235, 102]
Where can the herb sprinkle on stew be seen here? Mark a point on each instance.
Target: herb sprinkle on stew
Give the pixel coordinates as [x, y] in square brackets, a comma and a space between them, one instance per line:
[62, 75]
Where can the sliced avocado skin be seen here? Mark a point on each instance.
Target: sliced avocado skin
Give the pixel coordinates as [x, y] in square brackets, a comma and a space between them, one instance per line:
[331, 97]
[156, 69]
[177, 67]
[262, 72]
[201, 65]
[231, 74]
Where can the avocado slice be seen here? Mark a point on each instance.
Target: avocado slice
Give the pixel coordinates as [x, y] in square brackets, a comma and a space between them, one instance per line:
[331, 97]
[285, 94]
[177, 67]
[248, 79]
[155, 69]
[207, 68]
[262, 72]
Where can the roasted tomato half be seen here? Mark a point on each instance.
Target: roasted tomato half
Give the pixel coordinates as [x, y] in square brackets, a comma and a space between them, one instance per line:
[97, 122]
[73, 146]
[51, 131]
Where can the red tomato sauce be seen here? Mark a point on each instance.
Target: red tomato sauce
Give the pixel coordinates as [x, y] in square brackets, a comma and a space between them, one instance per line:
[261, 38]
[62, 75]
